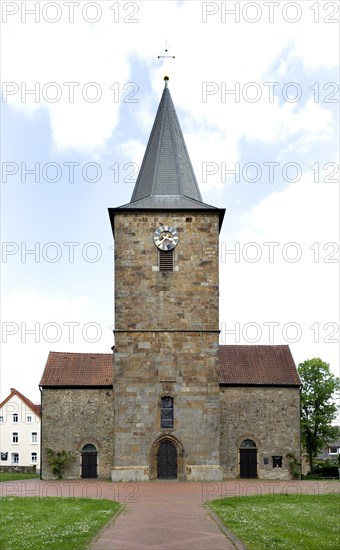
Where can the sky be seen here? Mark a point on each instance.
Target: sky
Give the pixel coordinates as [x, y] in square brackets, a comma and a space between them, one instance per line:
[255, 86]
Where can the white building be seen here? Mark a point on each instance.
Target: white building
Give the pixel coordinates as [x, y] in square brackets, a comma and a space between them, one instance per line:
[19, 431]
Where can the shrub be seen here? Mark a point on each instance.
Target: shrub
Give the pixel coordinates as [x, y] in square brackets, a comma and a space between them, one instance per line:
[294, 466]
[58, 460]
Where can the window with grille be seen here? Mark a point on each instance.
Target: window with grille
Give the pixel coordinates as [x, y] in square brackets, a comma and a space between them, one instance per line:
[166, 260]
[167, 412]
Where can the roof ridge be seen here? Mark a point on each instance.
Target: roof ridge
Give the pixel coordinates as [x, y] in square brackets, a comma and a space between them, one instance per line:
[34, 406]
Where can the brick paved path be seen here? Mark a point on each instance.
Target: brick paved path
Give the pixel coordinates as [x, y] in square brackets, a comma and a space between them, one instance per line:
[166, 515]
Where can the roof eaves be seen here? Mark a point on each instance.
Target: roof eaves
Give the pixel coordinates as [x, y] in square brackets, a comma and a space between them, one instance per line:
[76, 386]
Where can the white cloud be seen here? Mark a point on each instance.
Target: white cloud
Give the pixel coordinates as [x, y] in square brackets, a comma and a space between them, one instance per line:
[304, 211]
[132, 149]
[33, 324]
[102, 53]
[285, 270]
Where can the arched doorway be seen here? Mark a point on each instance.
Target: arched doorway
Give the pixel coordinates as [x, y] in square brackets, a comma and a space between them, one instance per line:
[248, 459]
[89, 461]
[167, 460]
[157, 456]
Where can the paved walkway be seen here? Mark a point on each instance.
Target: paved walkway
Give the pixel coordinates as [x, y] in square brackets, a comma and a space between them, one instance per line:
[164, 515]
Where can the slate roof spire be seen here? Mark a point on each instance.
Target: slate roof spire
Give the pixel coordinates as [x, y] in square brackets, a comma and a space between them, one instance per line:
[166, 177]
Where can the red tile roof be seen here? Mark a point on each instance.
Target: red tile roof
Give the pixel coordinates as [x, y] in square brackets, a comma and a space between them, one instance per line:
[239, 365]
[34, 407]
[77, 369]
[258, 365]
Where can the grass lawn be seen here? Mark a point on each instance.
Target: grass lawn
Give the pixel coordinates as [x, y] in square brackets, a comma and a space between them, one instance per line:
[52, 522]
[13, 477]
[275, 522]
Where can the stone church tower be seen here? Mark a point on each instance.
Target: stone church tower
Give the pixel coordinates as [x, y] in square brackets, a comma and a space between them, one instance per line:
[170, 403]
[166, 317]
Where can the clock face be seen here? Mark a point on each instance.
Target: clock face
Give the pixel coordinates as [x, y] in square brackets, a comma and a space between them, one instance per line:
[165, 237]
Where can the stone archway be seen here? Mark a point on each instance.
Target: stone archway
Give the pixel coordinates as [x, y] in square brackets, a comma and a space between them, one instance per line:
[167, 447]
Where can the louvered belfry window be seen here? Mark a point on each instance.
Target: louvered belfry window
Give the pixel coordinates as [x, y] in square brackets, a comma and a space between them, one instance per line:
[166, 260]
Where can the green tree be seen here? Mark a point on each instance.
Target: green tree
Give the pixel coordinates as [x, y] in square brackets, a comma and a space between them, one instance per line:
[318, 409]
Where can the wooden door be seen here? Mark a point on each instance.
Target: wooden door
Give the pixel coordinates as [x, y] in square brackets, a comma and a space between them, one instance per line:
[167, 461]
[89, 464]
[248, 463]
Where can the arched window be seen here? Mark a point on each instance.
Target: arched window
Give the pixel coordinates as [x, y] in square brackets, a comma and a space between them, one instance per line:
[246, 443]
[89, 448]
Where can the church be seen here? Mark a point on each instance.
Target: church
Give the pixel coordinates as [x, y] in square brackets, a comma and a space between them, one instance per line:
[169, 402]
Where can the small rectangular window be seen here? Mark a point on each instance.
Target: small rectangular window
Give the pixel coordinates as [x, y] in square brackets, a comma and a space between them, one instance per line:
[29, 419]
[15, 417]
[166, 260]
[34, 437]
[34, 458]
[15, 437]
[277, 461]
[333, 450]
[1, 419]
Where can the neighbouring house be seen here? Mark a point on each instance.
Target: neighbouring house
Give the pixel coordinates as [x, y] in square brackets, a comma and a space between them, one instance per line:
[20, 421]
[331, 450]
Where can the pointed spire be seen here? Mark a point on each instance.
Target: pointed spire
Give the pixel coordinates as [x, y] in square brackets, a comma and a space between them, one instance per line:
[166, 177]
[166, 180]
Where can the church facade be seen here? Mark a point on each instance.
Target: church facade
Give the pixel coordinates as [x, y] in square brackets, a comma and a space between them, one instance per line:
[170, 402]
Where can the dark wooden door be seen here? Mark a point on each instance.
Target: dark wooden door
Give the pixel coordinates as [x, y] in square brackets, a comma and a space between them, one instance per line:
[248, 463]
[167, 461]
[89, 464]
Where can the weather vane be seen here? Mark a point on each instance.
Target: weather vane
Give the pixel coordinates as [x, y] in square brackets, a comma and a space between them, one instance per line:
[166, 78]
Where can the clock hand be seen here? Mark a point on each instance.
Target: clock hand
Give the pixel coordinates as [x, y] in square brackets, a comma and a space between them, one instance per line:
[168, 236]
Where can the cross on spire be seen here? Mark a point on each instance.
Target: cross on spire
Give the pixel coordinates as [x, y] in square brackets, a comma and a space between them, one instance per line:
[166, 78]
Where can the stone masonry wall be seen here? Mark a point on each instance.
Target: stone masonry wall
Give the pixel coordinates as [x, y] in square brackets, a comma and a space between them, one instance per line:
[166, 339]
[268, 416]
[183, 375]
[186, 298]
[72, 418]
